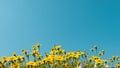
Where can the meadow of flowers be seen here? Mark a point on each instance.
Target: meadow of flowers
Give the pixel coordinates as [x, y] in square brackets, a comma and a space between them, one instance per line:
[59, 58]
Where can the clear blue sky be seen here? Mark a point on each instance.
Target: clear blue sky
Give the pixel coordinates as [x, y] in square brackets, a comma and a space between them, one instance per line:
[74, 24]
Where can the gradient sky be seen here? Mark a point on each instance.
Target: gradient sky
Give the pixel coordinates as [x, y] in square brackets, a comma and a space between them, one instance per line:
[74, 24]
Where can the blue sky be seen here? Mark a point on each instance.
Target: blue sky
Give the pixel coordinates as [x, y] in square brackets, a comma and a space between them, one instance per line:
[74, 24]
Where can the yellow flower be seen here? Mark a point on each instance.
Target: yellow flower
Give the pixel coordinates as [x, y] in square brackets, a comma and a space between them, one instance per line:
[1, 64]
[79, 53]
[35, 52]
[118, 65]
[38, 45]
[56, 58]
[34, 47]
[20, 58]
[76, 56]
[66, 65]
[78, 63]
[62, 51]
[92, 49]
[25, 51]
[28, 64]
[90, 59]
[15, 65]
[59, 58]
[14, 53]
[98, 61]
[34, 64]
[4, 58]
[12, 58]
[57, 47]
[38, 56]
[114, 57]
[70, 53]
[95, 57]
[105, 61]
[53, 52]
[39, 62]
[48, 59]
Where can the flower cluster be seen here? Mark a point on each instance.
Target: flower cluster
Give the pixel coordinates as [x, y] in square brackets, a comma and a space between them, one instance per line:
[58, 58]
